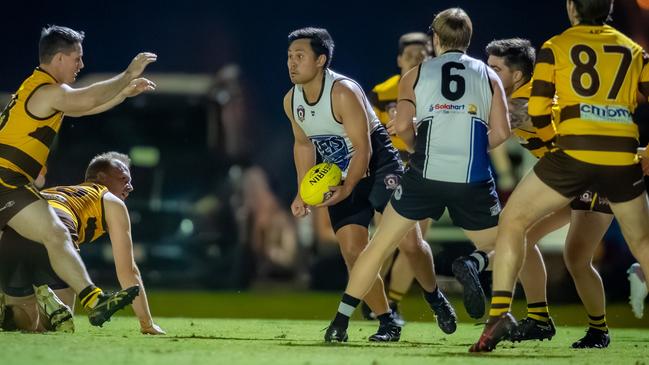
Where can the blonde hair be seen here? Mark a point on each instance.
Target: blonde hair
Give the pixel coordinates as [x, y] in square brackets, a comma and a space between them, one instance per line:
[454, 28]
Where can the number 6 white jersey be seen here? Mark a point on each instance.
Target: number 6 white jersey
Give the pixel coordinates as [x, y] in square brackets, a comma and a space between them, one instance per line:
[453, 97]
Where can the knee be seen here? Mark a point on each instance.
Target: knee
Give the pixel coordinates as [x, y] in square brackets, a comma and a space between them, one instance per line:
[576, 262]
[351, 252]
[412, 247]
[56, 236]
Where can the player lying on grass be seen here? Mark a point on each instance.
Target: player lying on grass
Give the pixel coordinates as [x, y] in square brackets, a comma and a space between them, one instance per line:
[87, 210]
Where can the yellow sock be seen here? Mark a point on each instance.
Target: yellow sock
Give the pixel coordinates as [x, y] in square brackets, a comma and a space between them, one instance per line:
[501, 302]
[395, 296]
[90, 299]
[538, 311]
[598, 322]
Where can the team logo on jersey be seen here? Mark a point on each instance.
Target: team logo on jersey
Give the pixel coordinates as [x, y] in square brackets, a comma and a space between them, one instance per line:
[333, 149]
[473, 109]
[300, 113]
[398, 192]
[391, 181]
[448, 108]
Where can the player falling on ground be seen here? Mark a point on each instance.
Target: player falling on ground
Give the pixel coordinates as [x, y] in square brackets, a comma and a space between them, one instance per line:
[412, 50]
[87, 210]
[330, 114]
[595, 73]
[28, 126]
[461, 111]
[589, 214]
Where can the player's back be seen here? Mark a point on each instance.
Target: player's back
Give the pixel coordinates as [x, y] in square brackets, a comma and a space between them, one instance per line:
[453, 97]
[594, 72]
[84, 204]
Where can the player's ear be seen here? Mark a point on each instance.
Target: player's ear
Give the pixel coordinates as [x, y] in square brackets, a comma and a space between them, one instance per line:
[399, 61]
[321, 60]
[518, 76]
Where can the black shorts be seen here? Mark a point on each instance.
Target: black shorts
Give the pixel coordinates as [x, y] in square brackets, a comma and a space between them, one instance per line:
[370, 195]
[569, 177]
[472, 206]
[590, 200]
[24, 263]
[16, 192]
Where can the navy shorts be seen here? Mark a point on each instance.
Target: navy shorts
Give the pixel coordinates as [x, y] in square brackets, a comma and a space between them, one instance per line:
[472, 206]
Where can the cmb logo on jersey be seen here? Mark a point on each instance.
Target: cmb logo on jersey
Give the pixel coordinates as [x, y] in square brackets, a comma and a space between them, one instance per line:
[605, 113]
[333, 149]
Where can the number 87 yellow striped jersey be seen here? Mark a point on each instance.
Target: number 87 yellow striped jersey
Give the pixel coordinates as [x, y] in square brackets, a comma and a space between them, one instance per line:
[595, 72]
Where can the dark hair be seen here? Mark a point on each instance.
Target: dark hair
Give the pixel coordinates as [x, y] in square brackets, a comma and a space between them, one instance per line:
[321, 41]
[104, 161]
[518, 54]
[55, 39]
[594, 12]
[412, 38]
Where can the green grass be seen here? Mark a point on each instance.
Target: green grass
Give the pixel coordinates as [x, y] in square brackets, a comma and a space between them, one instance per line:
[233, 336]
[257, 341]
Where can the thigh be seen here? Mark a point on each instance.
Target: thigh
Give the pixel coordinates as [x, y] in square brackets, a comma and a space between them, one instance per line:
[548, 224]
[36, 221]
[475, 206]
[530, 201]
[633, 216]
[13, 200]
[585, 233]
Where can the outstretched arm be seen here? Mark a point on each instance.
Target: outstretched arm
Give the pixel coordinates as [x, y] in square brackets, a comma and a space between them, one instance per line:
[63, 98]
[499, 128]
[128, 274]
[136, 87]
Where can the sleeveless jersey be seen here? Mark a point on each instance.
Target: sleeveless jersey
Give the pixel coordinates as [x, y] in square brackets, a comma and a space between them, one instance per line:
[25, 139]
[528, 137]
[84, 203]
[453, 98]
[319, 123]
[384, 100]
[595, 73]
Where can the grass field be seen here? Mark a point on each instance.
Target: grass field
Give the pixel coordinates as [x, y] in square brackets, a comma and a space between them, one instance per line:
[243, 340]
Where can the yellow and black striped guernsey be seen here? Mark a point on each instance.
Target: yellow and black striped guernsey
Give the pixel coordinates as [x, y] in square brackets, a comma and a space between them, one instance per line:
[384, 100]
[528, 135]
[25, 139]
[84, 204]
[595, 72]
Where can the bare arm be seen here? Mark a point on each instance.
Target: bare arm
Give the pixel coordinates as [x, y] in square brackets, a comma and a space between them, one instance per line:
[406, 110]
[62, 97]
[499, 128]
[134, 88]
[349, 108]
[303, 156]
[128, 274]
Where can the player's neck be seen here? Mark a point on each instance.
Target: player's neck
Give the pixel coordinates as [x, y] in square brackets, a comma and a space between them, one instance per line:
[49, 69]
[313, 87]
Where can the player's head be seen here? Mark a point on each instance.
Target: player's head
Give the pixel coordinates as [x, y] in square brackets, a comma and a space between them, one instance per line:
[412, 50]
[310, 50]
[452, 30]
[111, 169]
[513, 61]
[589, 12]
[60, 50]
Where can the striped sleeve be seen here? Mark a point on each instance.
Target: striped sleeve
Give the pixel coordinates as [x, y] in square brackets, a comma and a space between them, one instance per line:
[643, 85]
[543, 90]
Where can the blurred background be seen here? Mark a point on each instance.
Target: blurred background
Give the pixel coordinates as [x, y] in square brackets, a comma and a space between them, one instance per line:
[212, 150]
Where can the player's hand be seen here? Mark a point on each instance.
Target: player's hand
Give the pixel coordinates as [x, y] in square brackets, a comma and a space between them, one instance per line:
[152, 329]
[392, 130]
[139, 63]
[299, 208]
[339, 193]
[138, 86]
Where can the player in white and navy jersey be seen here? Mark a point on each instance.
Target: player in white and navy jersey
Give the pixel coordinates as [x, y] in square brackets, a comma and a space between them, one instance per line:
[460, 108]
[332, 118]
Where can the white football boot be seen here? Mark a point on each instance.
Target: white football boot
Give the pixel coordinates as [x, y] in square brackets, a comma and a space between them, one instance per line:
[59, 314]
[638, 289]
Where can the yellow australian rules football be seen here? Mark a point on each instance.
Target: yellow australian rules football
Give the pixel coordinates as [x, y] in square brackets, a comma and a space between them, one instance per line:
[314, 188]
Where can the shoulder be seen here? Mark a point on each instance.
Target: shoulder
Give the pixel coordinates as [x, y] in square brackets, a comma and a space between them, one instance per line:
[344, 87]
[112, 202]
